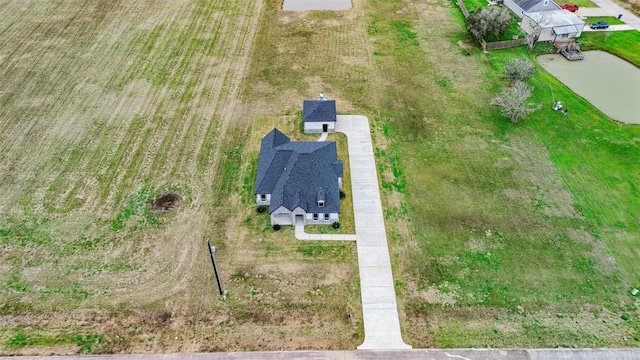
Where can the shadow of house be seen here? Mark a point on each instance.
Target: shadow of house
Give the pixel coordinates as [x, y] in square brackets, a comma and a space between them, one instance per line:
[299, 180]
[319, 116]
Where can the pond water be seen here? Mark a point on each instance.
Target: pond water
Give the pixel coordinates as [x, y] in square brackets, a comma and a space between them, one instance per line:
[303, 5]
[606, 81]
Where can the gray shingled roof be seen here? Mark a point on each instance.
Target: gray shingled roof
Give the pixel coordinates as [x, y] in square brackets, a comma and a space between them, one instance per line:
[318, 110]
[297, 173]
[556, 18]
[536, 5]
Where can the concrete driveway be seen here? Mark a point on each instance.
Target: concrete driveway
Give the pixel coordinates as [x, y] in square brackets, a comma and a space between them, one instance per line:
[609, 8]
[379, 306]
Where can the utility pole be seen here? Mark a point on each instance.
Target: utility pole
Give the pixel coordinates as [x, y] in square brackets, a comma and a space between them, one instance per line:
[212, 249]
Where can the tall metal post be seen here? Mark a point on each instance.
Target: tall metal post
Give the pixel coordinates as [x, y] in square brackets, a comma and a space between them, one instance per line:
[212, 249]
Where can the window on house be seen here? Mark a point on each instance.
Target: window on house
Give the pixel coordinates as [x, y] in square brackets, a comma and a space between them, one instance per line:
[564, 36]
[263, 197]
[326, 217]
[315, 217]
[320, 203]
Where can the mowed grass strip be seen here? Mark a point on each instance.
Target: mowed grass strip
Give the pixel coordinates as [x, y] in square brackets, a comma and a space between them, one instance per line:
[513, 230]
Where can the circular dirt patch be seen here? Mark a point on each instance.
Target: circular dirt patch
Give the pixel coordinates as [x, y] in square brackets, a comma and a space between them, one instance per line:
[166, 202]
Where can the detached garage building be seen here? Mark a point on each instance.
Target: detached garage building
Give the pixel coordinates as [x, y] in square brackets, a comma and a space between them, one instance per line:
[319, 115]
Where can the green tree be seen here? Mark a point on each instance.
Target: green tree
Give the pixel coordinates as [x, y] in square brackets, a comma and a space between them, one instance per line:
[490, 23]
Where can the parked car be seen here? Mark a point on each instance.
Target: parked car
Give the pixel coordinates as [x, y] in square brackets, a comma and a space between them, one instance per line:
[600, 25]
[570, 7]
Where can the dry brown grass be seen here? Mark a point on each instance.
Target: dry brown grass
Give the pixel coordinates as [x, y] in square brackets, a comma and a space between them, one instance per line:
[631, 5]
[104, 106]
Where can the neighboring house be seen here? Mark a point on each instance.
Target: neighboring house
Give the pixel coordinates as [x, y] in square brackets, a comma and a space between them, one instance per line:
[521, 7]
[299, 180]
[319, 115]
[556, 26]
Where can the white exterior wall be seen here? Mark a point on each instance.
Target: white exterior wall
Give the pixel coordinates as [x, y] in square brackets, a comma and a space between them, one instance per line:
[316, 127]
[282, 216]
[527, 25]
[530, 27]
[333, 217]
[259, 200]
[547, 35]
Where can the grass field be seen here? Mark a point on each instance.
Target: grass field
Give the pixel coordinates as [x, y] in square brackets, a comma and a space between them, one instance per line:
[500, 235]
[519, 236]
[104, 106]
[631, 5]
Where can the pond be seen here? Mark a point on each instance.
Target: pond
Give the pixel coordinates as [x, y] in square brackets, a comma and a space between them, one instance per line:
[303, 5]
[606, 81]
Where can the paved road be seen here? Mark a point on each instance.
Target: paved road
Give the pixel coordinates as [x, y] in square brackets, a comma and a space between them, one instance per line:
[379, 306]
[417, 354]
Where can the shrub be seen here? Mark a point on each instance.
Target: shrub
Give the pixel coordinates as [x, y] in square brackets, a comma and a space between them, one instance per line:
[490, 23]
[276, 227]
[336, 225]
[261, 208]
[513, 102]
[519, 70]
[342, 194]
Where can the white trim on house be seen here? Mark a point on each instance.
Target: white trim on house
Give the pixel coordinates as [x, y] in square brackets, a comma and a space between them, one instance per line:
[311, 127]
[263, 199]
[284, 216]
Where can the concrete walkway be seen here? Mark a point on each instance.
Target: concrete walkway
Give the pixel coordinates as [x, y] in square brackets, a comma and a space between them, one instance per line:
[323, 137]
[591, 12]
[379, 307]
[301, 235]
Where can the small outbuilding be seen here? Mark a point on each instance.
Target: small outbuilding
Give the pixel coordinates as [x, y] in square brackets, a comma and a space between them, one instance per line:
[299, 180]
[319, 115]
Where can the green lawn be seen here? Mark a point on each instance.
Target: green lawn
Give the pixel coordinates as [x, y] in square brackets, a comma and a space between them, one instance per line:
[612, 20]
[579, 3]
[624, 44]
[518, 235]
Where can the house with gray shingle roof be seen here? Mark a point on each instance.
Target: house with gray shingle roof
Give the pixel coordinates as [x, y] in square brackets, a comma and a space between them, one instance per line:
[521, 7]
[319, 115]
[299, 180]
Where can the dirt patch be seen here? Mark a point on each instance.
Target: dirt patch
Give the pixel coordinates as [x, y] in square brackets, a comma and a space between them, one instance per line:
[166, 202]
[552, 196]
[605, 262]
